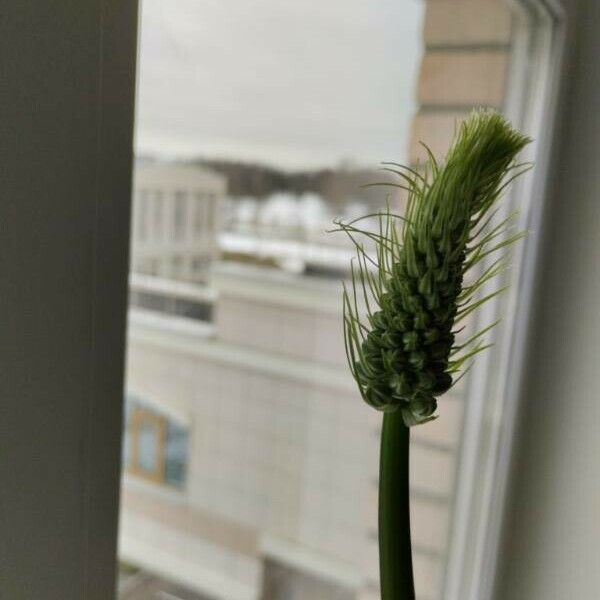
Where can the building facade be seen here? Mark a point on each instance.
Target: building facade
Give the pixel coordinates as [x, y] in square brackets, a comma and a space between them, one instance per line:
[251, 460]
[175, 210]
[252, 463]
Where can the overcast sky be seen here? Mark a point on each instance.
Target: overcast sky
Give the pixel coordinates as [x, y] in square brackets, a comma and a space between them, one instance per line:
[294, 83]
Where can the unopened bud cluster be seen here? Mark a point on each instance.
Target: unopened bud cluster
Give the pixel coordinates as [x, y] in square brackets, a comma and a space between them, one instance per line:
[402, 356]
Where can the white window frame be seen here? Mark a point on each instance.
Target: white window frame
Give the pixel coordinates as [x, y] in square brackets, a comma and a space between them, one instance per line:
[494, 388]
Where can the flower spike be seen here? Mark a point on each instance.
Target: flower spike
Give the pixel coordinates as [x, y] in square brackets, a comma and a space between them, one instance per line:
[403, 356]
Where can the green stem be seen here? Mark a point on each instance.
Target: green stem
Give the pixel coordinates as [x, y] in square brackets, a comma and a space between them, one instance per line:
[395, 556]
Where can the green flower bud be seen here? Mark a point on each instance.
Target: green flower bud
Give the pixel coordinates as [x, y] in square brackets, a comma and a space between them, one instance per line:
[405, 358]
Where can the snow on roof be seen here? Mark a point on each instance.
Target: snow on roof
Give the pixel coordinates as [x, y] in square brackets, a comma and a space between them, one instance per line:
[283, 209]
[246, 210]
[280, 208]
[313, 210]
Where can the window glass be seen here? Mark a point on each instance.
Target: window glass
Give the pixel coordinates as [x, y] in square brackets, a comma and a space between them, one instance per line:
[155, 445]
[176, 455]
[141, 215]
[158, 215]
[176, 265]
[274, 117]
[179, 216]
[200, 212]
[148, 446]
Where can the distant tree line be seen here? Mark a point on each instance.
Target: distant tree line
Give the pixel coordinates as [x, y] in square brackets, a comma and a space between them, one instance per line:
[339, 185]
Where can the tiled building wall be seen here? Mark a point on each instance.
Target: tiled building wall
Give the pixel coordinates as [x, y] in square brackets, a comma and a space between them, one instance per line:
[311, 333]
[282, 444]
[294, 458]
[465, 64]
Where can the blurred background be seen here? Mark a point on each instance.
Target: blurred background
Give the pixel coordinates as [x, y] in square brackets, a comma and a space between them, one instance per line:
[250, 462]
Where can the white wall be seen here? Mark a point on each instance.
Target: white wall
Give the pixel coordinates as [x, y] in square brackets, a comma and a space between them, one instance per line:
[552, 545]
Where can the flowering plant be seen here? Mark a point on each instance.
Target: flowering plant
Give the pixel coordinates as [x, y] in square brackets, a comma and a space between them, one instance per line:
[407, 302]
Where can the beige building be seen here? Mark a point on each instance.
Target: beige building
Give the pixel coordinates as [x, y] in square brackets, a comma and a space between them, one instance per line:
[252, 462]
[174, 220]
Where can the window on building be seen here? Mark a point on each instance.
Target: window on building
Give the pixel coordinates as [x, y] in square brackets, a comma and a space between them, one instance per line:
[177, 263]
[289, 451]
[199, 209]
[154, 266]
[200, 264]
[168, 304]
[176, 450]
[179, 216]
[209, 211]
[141, 213]
[157, 217]
[155, 447]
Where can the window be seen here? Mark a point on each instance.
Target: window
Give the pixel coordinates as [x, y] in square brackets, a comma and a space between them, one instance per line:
[176, 455]
[141, 212]
[288, 453]
[209, 211]
[196, 309]
[176, 266]
[199, 213]
[200, 264]
[158, 225]
[154, 266]
[179, 219]
[270, 454]
[155, 448]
